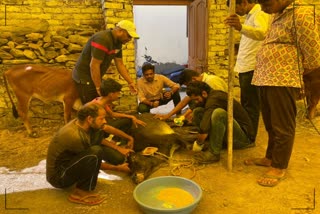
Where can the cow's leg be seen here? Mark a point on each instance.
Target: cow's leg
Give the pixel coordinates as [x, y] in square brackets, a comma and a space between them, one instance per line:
[67, 105]
[23, 107]
[308, 95]
[312, 92]
[312, 105]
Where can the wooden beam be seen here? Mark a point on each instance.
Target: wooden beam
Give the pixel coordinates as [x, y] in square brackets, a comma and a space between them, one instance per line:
[161, 2]
[232, 10]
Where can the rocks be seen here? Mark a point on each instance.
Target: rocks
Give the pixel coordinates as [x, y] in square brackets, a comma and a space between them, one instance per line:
[5, 55]
[34, 43]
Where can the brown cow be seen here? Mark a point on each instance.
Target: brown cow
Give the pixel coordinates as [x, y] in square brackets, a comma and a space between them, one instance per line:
[312, 91]
[45, 83]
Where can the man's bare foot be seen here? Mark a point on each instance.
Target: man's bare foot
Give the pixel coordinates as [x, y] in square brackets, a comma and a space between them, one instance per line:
[123, 168]
[258, 162]
[272, 177]
[120, 168]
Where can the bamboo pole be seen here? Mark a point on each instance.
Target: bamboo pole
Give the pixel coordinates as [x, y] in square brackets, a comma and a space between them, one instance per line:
[230, 88]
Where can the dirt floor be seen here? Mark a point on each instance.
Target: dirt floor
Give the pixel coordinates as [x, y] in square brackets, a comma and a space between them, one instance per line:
[24, 188]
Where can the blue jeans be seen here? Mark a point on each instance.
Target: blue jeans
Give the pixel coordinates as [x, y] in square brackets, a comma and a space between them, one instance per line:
[218, 130]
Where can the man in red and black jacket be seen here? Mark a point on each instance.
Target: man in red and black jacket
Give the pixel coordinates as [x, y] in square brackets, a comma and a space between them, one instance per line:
[96, 57]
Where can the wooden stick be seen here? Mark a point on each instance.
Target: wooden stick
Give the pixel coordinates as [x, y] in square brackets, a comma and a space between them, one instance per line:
[230, 88]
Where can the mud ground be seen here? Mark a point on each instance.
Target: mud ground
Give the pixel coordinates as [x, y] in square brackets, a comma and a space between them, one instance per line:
[23, 187]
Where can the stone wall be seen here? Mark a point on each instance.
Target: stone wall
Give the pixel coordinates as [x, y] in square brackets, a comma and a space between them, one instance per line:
[53, 33]
[218, 38]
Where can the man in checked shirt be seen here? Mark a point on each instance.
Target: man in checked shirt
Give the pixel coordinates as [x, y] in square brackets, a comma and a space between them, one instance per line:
[290, 49]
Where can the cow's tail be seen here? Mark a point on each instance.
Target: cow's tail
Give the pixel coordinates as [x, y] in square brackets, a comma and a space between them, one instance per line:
[14, 109]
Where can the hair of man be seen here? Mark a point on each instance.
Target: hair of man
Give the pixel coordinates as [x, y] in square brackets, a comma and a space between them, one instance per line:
[187, 75]
[197, 87]
[108, 86]
[89, 109]
[146, 67]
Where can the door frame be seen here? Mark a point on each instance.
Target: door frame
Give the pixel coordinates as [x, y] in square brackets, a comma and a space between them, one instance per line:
[186, 3]
[161, 2]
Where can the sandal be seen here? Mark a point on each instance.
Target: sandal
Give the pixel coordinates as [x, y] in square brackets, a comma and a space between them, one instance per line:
[87, 200]
[270, 180]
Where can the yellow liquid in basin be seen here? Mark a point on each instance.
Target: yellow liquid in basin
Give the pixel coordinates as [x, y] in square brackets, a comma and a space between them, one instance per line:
[174, 198]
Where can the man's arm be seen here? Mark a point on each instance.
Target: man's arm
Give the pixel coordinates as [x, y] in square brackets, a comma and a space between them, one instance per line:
[169, 83]
[176, 109]
[95, 73]
[148, 102]
[258, 32]
[135, 121]
[120, 149]
[125, 74]
[175, 88]
[120, 168]
[117, 132]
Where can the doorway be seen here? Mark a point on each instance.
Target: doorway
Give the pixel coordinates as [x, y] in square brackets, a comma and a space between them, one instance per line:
[163, 33]
[196, 30]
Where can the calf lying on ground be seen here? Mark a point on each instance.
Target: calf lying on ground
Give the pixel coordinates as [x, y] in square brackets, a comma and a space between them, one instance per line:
[44, 83]
[158, 134]
[312, 92]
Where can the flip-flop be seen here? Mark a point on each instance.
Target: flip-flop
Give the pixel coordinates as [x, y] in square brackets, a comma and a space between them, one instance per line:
[84, 200]
[255, 161]
[270, 180]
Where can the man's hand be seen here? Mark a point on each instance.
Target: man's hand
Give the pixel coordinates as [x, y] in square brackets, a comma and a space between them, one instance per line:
[133, 88]
[155, 104]
[161, 117]
[167, 95]
[123, 168]
[98, 91]
[124, 151]
[137, 122]
[233, 21]
[130, 143]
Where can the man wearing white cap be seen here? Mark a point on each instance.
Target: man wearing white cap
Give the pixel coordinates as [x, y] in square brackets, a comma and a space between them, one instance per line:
[96, 57]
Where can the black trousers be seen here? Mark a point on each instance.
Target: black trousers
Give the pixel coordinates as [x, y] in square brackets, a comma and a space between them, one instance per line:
[87, 92]
[278, 107]
[249, 98]
[143, 108]
[81, 170]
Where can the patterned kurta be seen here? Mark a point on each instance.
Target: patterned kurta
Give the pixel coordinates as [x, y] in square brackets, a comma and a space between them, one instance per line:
[279, 62]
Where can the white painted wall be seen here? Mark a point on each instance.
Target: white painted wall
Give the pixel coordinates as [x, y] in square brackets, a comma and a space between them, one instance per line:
[162, 30]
